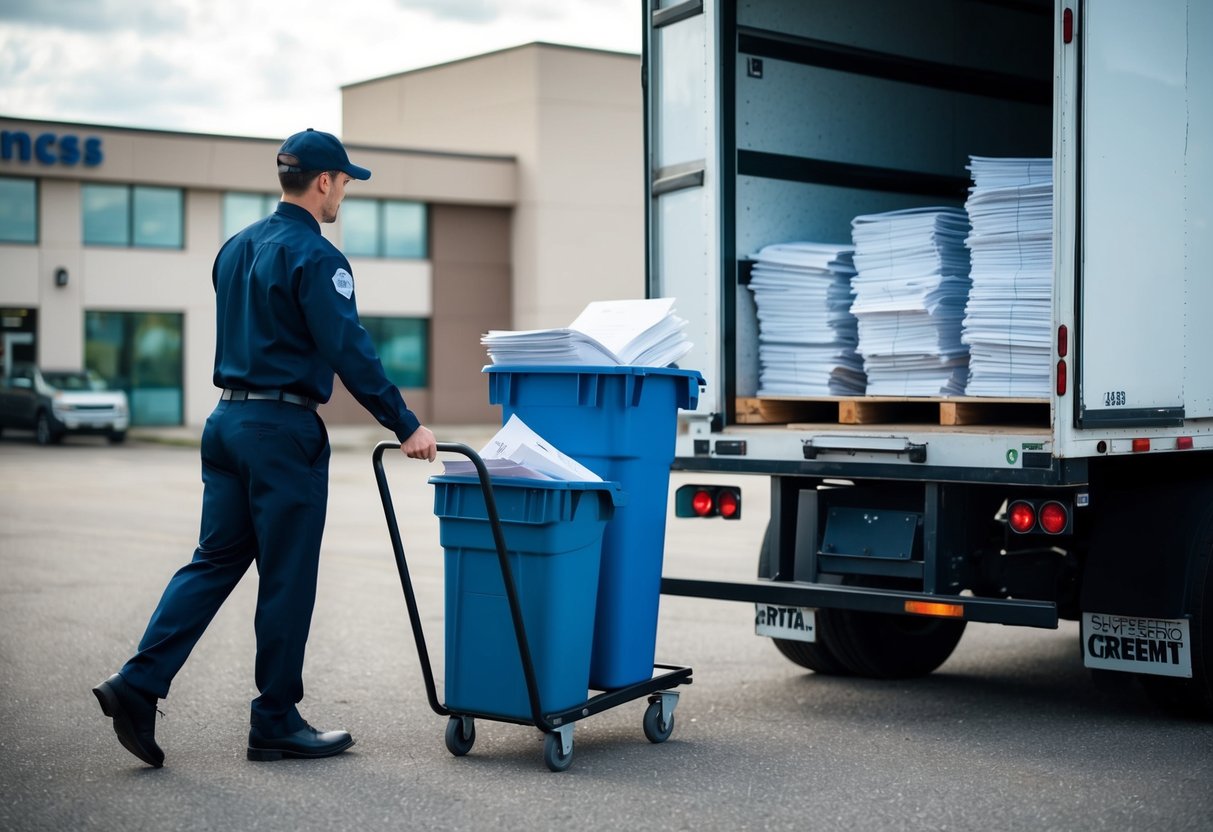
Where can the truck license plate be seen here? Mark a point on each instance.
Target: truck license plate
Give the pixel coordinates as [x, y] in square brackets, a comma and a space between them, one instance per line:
[795, 623]
[1160, 646]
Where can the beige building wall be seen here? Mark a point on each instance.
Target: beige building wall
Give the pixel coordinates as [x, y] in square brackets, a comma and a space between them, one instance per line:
[573, 119]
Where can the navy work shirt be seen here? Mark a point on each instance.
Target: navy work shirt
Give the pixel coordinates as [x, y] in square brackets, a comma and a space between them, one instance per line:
[287, 319]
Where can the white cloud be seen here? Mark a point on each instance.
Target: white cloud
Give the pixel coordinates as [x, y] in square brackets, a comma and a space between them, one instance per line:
[95, 15]
[259, 69]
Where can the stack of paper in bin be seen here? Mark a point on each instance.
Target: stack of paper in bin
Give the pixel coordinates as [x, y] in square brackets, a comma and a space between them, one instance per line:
[1008, 320]
[642, 333]
[910, 290]
[517, 451]
[806, 332]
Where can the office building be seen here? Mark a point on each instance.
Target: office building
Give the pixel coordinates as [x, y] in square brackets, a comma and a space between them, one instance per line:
[507, 192]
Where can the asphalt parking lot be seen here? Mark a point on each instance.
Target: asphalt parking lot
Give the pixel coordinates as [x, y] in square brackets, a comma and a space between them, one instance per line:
[1011, 733]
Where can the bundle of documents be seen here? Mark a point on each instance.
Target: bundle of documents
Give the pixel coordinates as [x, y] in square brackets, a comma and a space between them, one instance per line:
[1008, 320]
[517, 451]
[806, 332]
[641, 333]
[910, 290]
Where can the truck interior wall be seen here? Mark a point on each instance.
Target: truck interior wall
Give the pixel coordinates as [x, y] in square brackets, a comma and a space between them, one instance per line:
[832, 143]
[986, 34]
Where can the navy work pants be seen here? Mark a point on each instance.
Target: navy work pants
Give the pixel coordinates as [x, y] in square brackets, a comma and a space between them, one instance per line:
[265, 491]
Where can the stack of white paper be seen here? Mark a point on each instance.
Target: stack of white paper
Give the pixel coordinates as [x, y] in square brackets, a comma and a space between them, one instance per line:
[1008, 320]
[910, 293]
[642, 333]
[517, 451]
[806, 332]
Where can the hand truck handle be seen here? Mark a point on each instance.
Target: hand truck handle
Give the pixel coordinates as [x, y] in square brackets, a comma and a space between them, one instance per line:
[511, 591]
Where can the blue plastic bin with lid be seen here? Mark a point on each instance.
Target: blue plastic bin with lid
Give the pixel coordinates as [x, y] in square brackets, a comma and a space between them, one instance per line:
[553, 536]
[621, 423]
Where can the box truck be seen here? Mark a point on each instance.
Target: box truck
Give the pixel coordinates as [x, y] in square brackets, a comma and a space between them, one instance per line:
[896, 520]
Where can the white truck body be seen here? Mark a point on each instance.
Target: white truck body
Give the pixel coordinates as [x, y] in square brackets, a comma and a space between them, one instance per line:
[774, 121]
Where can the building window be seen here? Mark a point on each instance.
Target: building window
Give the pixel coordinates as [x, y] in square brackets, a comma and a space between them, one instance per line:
[142, 216]
[403, 347]
[18, 210]
[384, 228]
[240, 210]
[139, 352]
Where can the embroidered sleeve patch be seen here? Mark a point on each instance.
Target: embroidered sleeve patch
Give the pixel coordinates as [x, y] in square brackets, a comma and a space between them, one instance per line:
[343, 282]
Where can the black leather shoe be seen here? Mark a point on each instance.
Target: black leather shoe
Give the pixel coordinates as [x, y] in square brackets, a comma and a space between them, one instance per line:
[306, 743]
[134, 716]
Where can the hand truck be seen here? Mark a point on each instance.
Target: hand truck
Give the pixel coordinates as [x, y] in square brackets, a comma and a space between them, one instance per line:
[658, 722]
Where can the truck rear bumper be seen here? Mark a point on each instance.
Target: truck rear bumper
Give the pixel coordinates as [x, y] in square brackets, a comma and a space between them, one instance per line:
[1020, 613]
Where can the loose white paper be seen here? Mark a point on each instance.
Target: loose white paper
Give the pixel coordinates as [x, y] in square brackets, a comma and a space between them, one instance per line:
[517, 451]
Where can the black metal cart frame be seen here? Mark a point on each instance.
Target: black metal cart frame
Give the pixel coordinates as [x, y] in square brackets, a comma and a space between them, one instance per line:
[557, 727]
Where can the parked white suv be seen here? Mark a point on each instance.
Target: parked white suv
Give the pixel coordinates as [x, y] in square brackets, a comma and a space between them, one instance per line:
[52, 403]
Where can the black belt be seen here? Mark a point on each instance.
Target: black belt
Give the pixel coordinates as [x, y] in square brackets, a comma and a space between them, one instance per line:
[269, 395]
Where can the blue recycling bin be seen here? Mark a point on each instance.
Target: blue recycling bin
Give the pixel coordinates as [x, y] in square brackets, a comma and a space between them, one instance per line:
[621, 423]
[553, 536]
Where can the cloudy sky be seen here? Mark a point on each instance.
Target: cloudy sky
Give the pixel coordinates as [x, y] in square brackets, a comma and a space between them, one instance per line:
[259, 67]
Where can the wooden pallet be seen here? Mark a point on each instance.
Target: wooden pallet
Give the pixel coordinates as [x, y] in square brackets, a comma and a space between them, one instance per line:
[877, 410]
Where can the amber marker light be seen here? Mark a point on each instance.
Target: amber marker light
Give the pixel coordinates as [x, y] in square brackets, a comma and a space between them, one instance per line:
[938, 609]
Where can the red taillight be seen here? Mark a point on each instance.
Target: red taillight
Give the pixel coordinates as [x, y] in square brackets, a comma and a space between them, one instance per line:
[727, 504]
[1061, 376]
[1063, 341]
[1022, 516]
[708, 501]
[1067, 25]
[1054, 518]
[1183, 443]
[1140, 445]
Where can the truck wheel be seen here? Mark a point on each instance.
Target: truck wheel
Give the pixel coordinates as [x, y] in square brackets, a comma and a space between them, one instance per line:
[1193, 697]
[812, 655]
[881, 646]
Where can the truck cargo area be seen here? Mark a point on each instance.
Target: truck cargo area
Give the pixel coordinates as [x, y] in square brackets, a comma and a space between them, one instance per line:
[901, 510]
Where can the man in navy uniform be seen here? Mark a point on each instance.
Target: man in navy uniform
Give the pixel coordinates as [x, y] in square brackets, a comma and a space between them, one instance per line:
[287, 320]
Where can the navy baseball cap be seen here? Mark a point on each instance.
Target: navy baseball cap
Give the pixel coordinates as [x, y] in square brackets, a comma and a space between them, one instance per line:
[315, 150]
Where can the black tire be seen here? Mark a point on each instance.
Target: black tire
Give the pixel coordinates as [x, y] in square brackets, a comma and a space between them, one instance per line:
[811, 655]
[1193, 698]
[652, 724]
[117, 437]
[456, 742]
[882, 646]
[44, 430]
[873, 645]
[553, 755]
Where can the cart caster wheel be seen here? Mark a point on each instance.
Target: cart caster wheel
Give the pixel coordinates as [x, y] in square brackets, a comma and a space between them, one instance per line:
[652, 723]
[553, 753]
[457, 741]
